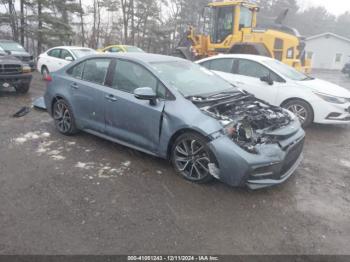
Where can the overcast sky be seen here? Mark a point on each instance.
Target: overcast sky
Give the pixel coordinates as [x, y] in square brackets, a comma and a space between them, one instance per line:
[333, 6]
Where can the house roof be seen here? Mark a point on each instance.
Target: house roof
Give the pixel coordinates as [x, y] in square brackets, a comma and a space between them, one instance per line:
[328, 34]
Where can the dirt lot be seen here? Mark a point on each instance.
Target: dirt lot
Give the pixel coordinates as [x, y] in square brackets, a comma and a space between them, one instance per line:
[84, 195]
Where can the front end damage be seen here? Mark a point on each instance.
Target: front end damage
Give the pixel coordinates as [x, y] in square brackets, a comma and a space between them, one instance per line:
[260, 145]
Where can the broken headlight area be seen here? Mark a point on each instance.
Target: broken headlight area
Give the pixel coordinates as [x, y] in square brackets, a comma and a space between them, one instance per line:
[247, 120]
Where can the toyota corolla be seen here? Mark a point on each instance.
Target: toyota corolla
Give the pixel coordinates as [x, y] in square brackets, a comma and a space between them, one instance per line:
[177, 110]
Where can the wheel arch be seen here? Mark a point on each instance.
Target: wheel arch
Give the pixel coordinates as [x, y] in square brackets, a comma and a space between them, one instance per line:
[42, 68]
[180, 132]
[55, 99]
[300, 99]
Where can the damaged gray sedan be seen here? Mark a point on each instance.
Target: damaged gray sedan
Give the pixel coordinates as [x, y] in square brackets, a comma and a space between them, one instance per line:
[177, 110]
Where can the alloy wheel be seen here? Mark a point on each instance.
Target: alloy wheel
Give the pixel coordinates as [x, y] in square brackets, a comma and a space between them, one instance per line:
[62, 117]
[192, 159]
[299, 111]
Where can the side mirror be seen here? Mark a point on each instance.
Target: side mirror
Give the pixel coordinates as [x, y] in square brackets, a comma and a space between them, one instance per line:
[146, 93]
[8, 52]
[68, 58]
[267, 79]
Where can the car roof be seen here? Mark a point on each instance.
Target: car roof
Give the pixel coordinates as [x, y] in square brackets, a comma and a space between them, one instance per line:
[142, 57]
[71, 47]
[256, 58]
[7, 41]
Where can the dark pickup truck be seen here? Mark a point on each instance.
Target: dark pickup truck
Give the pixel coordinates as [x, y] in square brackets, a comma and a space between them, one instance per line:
[346, 69]
[13, 72]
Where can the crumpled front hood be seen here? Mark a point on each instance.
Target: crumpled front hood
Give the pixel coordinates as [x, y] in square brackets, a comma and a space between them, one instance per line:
[325, 87]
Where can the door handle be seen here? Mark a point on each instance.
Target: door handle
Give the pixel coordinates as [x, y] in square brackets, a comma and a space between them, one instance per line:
[74, 85]
[111, 98]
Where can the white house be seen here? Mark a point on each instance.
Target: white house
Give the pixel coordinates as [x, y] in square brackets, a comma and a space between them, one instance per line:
[328, 51]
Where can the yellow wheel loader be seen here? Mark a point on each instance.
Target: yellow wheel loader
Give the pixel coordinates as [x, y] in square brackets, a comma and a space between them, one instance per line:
[231, 27]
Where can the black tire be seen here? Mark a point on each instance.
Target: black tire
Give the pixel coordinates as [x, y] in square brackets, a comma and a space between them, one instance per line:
[22, 88]
[302, 110]
[192, 167]
[44, 71]
[64, 118]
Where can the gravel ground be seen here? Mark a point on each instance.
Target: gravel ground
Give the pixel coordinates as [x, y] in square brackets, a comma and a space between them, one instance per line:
[85, 195]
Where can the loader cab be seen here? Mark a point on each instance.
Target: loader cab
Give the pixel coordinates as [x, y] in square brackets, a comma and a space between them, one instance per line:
[229, 18]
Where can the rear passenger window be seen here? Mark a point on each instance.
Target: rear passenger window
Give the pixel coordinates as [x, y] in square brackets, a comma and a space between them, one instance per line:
[222, 65]
[206, 64]
[128, 76]
[77, 71]
[95, 70]
[54, 53]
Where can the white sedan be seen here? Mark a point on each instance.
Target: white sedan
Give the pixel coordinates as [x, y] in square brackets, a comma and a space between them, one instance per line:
[57, 57]
[310, 99]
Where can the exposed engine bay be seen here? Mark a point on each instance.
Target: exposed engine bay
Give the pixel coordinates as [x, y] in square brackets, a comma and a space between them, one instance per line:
[246, 119]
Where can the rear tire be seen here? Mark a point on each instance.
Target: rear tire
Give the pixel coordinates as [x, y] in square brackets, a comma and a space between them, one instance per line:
[64, 118]
[302, 110]
[44, 71]
[22, 88]
[190, 157]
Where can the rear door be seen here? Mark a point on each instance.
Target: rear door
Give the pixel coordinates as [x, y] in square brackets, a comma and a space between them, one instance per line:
[131, 120]
[53, 60]
[223, 67]
[87, 87]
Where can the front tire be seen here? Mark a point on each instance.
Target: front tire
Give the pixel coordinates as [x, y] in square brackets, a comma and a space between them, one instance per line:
[302, 110]
[22, 88]
[63, 117]
[191, 156]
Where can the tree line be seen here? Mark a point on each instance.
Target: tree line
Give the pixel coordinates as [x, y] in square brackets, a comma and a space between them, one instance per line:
[153, 25]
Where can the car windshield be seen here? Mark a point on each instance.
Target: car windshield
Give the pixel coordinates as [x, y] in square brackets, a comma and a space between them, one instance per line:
[12, 46]
[83, 52]
[133, 49]
[191, 79]
[287, 71]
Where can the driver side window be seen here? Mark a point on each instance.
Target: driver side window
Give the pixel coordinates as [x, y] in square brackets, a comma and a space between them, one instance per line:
[128, 76]
[256, 70]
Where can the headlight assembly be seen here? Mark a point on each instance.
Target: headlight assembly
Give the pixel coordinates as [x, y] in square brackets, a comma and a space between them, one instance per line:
[332, 99]
[26, 69]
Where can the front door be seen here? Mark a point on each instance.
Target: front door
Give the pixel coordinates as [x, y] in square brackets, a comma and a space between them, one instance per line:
[247, 76]
[131, 120]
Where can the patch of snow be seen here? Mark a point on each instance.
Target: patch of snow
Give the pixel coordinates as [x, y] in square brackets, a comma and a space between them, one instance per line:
[345, 163]
[126, 163]
[58, 157]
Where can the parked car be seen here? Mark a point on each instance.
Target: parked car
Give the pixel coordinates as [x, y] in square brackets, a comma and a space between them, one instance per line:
[346, 69]
[58, 57]
[312, 100]
[121, 49]
[177, 110]
[15, 49]
[13, 72]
